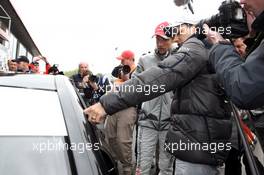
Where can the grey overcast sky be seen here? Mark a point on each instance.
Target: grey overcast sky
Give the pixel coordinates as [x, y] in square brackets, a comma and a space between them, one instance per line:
[70, 31]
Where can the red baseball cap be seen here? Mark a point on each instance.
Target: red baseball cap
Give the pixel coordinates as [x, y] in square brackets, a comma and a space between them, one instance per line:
[127, 54]
[159, 30]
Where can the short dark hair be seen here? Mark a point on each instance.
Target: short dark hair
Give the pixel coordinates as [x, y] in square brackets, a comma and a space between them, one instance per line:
[53, 69]
[12, 60]
[22, 59]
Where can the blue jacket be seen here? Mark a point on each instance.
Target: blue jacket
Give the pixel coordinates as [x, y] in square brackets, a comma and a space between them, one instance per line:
[243, 81]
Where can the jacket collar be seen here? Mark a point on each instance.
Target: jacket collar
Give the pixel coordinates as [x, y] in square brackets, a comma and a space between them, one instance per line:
[258, 23]
[162, 57]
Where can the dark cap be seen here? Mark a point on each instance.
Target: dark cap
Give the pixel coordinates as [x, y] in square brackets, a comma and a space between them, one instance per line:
[54, 69]
[13, 60]
[22, 59]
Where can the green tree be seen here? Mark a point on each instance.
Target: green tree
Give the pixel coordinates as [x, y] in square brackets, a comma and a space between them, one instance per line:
[70, 72]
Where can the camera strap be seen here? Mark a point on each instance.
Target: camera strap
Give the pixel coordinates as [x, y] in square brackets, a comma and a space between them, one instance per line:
[249, 155]
[131, 72]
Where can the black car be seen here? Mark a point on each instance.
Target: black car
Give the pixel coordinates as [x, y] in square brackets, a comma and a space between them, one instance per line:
[43, 129]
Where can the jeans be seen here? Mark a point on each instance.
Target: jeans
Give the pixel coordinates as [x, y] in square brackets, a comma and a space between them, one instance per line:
[187, 168]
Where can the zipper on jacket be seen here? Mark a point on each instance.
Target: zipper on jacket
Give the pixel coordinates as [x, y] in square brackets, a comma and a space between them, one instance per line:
[160, 110]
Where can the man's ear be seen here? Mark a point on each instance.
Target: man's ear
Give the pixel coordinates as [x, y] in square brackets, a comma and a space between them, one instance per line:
[173, 38]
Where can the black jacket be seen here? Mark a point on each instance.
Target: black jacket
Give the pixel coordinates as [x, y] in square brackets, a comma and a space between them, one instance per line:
[198, 105]
[90, 95]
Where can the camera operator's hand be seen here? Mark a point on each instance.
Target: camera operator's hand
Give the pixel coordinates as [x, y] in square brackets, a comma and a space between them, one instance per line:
[93, 85]
[96, 113]
[212, 36]
[124, 77]
[85, 79]
[84, 82]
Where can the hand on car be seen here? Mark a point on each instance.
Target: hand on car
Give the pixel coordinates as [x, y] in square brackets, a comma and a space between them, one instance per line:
[96, 113]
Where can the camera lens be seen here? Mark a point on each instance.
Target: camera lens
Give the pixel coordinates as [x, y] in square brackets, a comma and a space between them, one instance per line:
[126, 69]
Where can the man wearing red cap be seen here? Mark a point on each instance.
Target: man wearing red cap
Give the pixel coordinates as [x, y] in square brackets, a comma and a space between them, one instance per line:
[153, 121]
[119, 127]
[128, 58]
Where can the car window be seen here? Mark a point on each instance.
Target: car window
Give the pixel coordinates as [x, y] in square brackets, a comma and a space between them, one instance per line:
[31, 155]
[30, 112]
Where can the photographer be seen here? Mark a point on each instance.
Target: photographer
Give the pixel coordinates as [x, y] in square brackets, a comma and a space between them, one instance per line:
[120, 125]
[94, 87]
[83, 71]
[90, 87]
[243, 80]
[81, 78]
[127, 58]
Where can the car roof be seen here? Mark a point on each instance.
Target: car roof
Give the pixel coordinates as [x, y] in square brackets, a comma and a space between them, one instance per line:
[34, 81]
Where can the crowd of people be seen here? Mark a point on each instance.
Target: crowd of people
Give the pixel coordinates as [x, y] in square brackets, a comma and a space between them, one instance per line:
[190, 88]
[22, 65]
[203, 75]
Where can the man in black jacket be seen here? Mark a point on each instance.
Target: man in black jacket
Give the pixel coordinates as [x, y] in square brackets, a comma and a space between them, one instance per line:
[197, 111]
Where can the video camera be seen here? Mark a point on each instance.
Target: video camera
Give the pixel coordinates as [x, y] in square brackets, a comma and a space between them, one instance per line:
[184, 2]
[54, 70]
[230, 22]
[125, 69]
[231, 15]
[93, 78]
